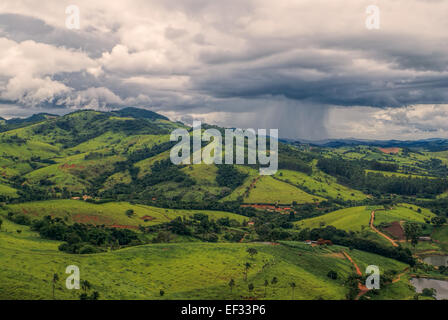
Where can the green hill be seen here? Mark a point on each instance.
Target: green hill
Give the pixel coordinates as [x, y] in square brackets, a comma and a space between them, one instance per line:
[320, 184]
[269, 190]
[109, 214]
[350, 219]
[183, 271]
[166, 227]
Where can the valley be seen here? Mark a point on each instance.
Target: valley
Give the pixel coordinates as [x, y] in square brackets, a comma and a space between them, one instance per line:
[98, 190]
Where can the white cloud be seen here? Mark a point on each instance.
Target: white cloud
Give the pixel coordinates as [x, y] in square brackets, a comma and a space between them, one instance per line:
[28, 66]
[406, 123]
[240, 63]
[33, 91]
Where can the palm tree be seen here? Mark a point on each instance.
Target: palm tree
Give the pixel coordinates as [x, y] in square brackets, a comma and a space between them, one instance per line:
[95, 295]
[293, 286]
[55, 279]
[85, 285]
[266, 283]
[252, 252]
[231, 284]
[250, 287]
[247, 266]
[274, 281]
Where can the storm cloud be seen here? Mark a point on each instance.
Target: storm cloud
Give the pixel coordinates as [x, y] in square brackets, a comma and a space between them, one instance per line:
[310, 68]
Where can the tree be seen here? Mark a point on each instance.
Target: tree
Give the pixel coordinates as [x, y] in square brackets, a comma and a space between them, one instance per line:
[429, 292]
[95, 295]
[130, 212]
[55, 279]
[293, 286]
[85, 285]
[231, 284]
[266, 283]
[412, 232]
[438, 221]
[161, 292]
[1, 222]
[250, 287]
[332, 274]
[274, 281]
[252, 252]
[247, 266]
[83, 296]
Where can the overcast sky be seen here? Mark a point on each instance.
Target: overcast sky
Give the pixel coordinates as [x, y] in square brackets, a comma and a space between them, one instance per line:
[310, 68]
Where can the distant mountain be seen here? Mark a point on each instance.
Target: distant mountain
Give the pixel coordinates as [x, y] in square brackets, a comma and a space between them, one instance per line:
[139, 113]
[132, 112]
[32, 119]
[15, 123]
[433, 144]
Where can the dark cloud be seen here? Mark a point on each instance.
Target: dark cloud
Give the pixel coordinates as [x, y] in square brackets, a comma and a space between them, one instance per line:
[237, 63]
[22, 27]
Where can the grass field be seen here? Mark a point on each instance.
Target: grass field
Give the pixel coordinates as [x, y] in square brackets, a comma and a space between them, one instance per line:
[358, 218]
[403, 211]
[112, 213]
[240, 191]
[350, 219]
[183, 271]
[441, 234]
[8, 191]
[269, 190]
[398, 174]
[320, 184]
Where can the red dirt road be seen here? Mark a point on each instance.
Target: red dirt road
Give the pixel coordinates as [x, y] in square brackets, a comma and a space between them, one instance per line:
[400, 275]
[372, 218]
[362, 288]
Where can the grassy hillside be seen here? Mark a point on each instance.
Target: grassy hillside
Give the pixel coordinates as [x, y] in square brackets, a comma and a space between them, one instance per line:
[123, 156]
[269, 190]
[320, 184]
[358, 218]
[112, 213]
[183, 271]
[403, 212]
[351, 219]
[7, 191]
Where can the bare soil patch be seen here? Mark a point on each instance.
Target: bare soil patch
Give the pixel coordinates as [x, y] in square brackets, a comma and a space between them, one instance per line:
[395, 230]
[147, 218]
[390, 150]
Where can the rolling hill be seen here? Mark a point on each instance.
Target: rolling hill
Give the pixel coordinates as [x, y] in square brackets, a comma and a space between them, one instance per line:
[190, 225]
[183, 270]
[109, 214]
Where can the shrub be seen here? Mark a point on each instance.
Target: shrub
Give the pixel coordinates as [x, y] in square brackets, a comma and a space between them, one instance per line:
[332, 274]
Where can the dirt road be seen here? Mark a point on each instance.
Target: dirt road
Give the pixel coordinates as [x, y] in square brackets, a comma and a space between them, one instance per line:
[362, 288]
[372, 218]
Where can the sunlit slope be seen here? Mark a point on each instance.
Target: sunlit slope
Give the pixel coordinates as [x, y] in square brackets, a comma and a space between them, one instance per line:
[358, 218]
[403, 212]
[320, 184]
[111, 213]
[182, 271]
[350, 219]
[269, 190]
[7, 191]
